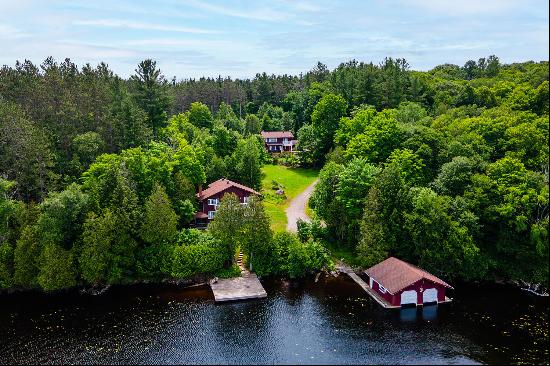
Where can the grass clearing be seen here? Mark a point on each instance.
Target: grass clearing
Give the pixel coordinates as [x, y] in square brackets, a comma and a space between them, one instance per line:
[293, 180]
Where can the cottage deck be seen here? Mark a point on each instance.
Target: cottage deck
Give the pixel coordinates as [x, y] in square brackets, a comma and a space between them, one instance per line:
[240, 288]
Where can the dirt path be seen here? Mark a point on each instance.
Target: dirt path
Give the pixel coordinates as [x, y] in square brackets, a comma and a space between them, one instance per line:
[297, 208]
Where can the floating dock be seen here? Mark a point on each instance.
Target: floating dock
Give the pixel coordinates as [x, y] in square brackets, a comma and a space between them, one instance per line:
[248, 286]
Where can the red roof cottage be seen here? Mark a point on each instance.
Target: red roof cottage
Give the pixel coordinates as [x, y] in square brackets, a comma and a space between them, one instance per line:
[209, 199]
[278, 141]
[400, 283]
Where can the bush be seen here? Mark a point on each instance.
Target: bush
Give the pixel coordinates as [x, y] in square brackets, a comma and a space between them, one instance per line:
[233, 271]
[306, 258]
[197, 252]
[304, 232]
[6, 260]
[288, 159]
[155, 261]
[189, 260]
[286, 255]
[311, 230]
[271, 260]
[57, 270]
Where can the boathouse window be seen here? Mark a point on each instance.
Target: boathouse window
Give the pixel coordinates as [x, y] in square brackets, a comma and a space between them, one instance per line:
[213, 201]
[381, 288]
[271, 140]
[211, 214]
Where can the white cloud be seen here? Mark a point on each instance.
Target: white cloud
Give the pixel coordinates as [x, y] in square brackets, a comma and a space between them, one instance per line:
[301, 5]
[9, 32]
[120, 23]
[263, 14]
[465, 7]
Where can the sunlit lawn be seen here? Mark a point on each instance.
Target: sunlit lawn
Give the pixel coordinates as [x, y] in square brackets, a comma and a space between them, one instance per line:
[294, 181]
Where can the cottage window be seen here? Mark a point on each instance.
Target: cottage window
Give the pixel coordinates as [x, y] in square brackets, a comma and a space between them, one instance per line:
[381, 288]
[213, 201]
[211, 214]
[245, 200]
[271, 139]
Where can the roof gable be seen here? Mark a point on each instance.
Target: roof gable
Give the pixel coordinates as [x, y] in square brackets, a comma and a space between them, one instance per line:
[221, 185]
[395, 274]
[277, 134]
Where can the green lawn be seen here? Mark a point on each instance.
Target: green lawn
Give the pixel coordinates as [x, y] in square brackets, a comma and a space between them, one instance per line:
[294, 181]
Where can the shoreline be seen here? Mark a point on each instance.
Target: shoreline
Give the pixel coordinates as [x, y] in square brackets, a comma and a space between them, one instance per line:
[199, 281]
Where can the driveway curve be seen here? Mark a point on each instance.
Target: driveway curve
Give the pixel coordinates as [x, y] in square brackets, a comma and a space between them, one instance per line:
[297, 208]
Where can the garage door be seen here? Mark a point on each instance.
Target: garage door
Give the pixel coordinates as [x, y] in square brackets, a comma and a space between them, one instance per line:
[408, 297]
[429, 295]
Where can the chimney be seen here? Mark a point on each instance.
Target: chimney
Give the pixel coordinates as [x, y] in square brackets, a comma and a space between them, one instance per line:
[200, 189]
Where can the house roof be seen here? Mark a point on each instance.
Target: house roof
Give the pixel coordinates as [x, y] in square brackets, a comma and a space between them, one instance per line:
[221, 185]
[277, 134]
[395, 274]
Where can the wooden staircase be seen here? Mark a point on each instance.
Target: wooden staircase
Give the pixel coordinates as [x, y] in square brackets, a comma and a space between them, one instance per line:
[241, 264]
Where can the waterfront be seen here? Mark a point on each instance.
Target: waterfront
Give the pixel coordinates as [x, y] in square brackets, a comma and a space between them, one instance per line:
[331, 321]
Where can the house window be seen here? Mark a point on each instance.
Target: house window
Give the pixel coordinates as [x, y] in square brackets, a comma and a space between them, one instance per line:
[285, 140]
[245, 200]
[271, 139]
[213, 201]
[211, 214]
[381, 288]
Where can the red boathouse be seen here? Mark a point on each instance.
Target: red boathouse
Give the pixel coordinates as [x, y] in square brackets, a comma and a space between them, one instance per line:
[400, 283]
[209, 199]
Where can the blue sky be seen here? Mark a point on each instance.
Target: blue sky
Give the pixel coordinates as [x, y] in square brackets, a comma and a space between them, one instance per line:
[239, 38]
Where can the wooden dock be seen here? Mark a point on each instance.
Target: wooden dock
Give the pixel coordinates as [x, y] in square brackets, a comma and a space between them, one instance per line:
[248, 286]
[347, 270]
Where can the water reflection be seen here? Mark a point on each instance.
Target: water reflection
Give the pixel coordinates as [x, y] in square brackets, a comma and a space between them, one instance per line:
[429, 312]
[408, 314]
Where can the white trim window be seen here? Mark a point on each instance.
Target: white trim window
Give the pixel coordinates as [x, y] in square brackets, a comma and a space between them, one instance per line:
[271, 139]
[382, 288]
[245, 200]
[211, 214]
[213, 202]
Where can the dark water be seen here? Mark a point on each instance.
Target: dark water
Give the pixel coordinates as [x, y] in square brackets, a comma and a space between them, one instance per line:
[331, 321]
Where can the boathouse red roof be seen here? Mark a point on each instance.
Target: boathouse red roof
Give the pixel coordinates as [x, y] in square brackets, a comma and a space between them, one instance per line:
[395, 274]
[277, 134]
[221, 185]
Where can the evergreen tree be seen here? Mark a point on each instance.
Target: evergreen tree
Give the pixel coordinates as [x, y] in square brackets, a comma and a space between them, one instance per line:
[150, 94]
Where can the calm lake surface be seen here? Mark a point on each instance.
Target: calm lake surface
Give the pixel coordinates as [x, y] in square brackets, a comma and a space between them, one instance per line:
[330, 321]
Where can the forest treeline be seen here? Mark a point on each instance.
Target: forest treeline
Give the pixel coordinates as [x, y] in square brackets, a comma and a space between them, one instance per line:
[446, 168]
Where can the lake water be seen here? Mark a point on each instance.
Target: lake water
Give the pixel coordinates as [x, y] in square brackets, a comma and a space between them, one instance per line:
[330, 321]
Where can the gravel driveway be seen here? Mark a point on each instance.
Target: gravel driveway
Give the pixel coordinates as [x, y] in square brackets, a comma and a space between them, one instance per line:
[297, 208]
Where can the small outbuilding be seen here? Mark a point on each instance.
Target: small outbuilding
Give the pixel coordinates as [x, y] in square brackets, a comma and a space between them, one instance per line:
[400, 283]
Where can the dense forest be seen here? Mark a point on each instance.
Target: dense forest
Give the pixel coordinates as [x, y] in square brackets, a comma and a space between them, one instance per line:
[447, 169]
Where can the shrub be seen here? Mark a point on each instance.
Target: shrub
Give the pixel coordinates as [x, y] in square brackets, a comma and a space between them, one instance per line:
[306, 258]
[286, 255]
[189, 260]
[233, 271]
[288, 159]
[197, 252]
